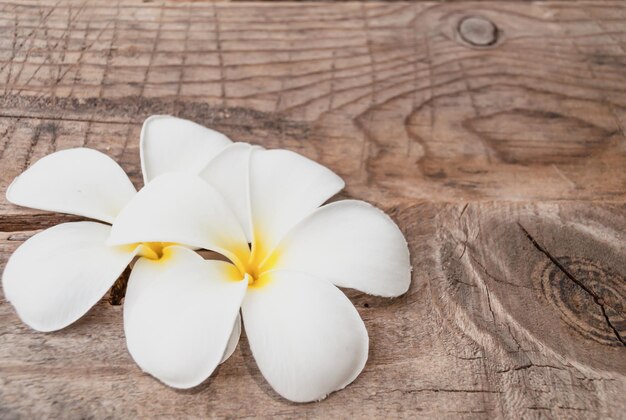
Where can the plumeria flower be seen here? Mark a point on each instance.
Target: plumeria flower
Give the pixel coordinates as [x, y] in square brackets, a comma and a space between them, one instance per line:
[286, 255]
[57, 275]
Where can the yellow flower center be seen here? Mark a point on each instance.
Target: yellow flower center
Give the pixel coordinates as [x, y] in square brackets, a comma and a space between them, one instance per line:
[254, 263]
[259, 263]
[152, 250]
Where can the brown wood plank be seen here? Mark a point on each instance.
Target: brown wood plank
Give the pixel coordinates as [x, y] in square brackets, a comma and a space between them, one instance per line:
[490, 328]
[497, 143]
[388, 95]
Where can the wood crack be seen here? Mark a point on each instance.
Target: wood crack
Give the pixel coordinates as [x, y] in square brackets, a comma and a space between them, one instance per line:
[528, 366]
[597, 299]
[494, 278]
[469, 391]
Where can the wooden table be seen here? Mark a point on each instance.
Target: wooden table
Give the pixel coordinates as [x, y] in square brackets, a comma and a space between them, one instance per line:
[493, 133]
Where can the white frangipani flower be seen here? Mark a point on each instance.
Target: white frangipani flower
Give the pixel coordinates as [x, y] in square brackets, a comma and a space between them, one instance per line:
[57, 275]
[260, 209]
[181, 312]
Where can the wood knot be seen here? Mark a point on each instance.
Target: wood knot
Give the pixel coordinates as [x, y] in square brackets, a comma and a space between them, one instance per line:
[596, 307]
[478, 31]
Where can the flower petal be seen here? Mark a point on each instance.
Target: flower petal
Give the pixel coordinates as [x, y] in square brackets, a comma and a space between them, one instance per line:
[285, 187]
[352, 244]
[182, 208]
[228, 172]
[233, 340]
[305, 335]
[179, 314]
[172, 144]
[77, 181]
[57, 275]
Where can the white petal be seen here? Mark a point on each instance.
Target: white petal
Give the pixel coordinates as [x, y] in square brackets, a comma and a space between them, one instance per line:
[305, 335]
[228, 172]
[78, 181]
[179, 314]
[352, 244]
[233, 340]
[173, 144]
[285, 187]
[57, 275]
[182, 208]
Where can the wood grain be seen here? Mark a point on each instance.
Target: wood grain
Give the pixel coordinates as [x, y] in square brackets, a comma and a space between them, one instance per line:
[500, 154]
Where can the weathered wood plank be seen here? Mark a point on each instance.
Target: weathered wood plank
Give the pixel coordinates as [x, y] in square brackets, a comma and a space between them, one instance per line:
[388, 95]
[490, 328]
[517, 305]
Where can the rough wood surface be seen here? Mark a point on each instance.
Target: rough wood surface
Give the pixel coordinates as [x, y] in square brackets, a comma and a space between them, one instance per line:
[493, 132]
